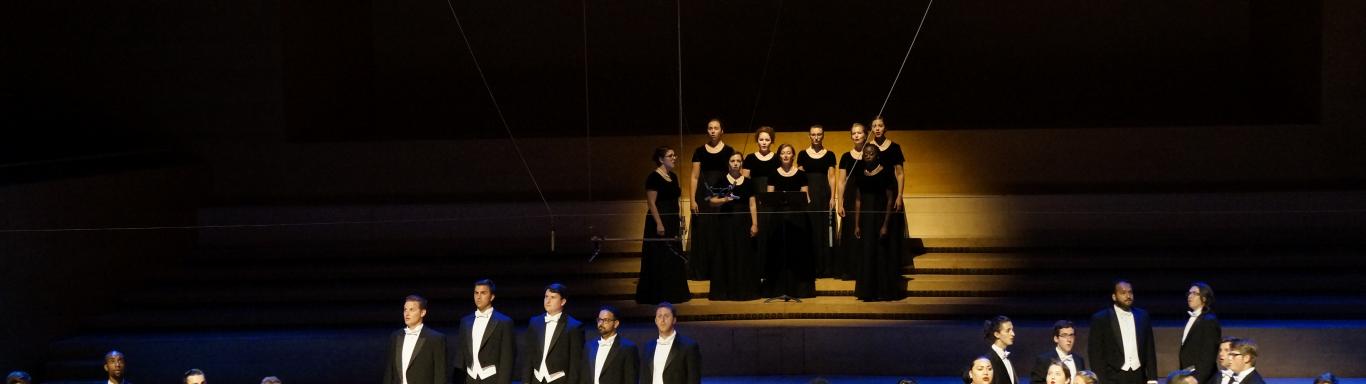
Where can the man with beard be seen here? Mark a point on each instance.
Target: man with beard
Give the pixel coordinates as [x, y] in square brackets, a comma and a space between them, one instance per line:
[611, 358]
[1121, 342]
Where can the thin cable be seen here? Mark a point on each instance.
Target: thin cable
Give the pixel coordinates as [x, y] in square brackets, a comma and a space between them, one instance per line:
[587, 111]
[763, 75]
[678, 29]
[904, 59]
[504, 120]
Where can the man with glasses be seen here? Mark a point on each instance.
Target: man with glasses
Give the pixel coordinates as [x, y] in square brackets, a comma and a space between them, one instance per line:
[1242, 360]
[611, 358]
[1064, 338]
[1224, 346]
[1200, 337]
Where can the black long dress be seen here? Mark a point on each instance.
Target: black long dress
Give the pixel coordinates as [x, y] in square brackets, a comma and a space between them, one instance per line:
[879, 269]
[735, 272]
[663, 274]
[788, 269]
[704, 245]
[759, 172]
[817, 170]
[891, 157]
[849, 252]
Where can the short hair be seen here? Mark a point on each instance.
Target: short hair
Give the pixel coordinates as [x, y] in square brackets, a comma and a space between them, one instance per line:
[613, 310]
[1065, 370]
[1326, 378]
[1246, 347]
[1060, 325]
[421, 301]
[487, 283]
[17, 377]
[1230, 339]
[967, 373]
[1180, 375]
[659, 154]
[113, 354]
[718, 121]
[193, 372]
[1087, 377]
[859, 126]
[786, 145]
[765, 129]
[270, 380]
[1115, 284]
[815, 126]
[558, 288]
[670, 306]
[992, 325]
[1206, 294]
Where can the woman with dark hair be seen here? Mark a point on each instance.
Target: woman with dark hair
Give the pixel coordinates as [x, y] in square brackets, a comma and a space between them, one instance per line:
[816, 162]
[789, 270]
[849, 252]
[759, 165]
[735, 272]
[1202, 334]
[980, 372]
[663, 275]
[879, 266]
[1057, 373]
[708, 169]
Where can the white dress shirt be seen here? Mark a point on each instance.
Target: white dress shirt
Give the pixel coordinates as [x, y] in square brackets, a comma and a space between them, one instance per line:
[661, 357]
[1010, 369]
[1190, 323]
[604, 347]
[1066, 359]
[1129, 334]
[481, 323]
[409, 343]
[543, 373]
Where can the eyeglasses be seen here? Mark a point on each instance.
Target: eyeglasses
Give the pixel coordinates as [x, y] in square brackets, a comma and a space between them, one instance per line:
[1236, 354]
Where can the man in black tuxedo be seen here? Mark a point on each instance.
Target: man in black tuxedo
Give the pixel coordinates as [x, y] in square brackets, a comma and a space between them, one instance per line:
[610, 358]
[1000, 332]
[485, 342]
[673, 358]
[1242, 360]
[554, 342]
[1064, 338]
[1200, 338]
[1121, 344]
[417, 353]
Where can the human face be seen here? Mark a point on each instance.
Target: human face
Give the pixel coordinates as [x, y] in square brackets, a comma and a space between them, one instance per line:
[664, 321]
[553, 302]
[869, 158]
[1065, 339]
[737, 162]
[483, 297]
[413, 314]
[1193, 298]
[194, 379]
[981, 371]
[787, 155]
[857, 134]
[113, 363]
[879, 129]
[1056, 375]
[607, 324]
[714, 131]
[1238, 362]
[1005, 334]
[765, 141]
[1223, 354]
[1123, 296]
[817, 136]
[670, 158]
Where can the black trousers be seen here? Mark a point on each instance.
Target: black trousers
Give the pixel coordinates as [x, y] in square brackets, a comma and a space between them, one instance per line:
[1124, 377]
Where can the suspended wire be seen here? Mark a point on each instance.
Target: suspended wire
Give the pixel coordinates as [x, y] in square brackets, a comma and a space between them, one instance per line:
[502, 119]
[906, 58]
[763, 75]
[678, 29]
[587, 110]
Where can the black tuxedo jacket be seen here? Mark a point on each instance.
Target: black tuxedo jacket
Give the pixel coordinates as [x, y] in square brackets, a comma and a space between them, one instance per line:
[1105, 345]
[1201, 348]
[428, 363]
[683, 366]
[1039, 375]
[1000, 375]
[622, 365]
[496, 348]
[565, 349]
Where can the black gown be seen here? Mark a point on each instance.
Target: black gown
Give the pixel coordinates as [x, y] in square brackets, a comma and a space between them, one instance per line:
[848, 252]
[759, 171]
[735, 272]
[879, 268]
[820, 214]
[704, 245]
[663, 274]
[787, 265]
[892, 157]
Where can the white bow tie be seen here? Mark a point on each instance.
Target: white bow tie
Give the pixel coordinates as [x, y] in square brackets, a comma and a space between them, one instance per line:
[1005, 354]
[1193, 313]
[1067, 359]
[483, 315]
[549, 319]
[411, 332]
[604, 343]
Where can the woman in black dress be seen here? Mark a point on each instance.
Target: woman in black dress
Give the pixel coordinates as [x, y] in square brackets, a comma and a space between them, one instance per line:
[891, 157]
[735, 272]
[760, 165]
[849, 251]
[879, 274]
[816, 162]
[663, 274]
[708, 173]
[788, 264]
